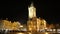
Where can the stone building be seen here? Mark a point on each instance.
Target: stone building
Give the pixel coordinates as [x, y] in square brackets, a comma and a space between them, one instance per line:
[34, 23]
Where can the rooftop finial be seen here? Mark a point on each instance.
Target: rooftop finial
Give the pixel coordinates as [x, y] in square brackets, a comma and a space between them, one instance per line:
[32, 11]
[32, 4]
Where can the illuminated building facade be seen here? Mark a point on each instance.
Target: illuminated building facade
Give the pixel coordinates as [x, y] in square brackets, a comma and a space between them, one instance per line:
[6, 24]
[41, 24]
[34, 23]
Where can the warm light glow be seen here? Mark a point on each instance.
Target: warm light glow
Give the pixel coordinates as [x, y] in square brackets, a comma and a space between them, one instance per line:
[46, 33]
[20, 33]
[21, 26]
[29, 33]
[46, 28]
[30, 28]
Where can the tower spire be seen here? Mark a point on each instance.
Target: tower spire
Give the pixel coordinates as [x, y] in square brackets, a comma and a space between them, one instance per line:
[32, 4]
[32, 11]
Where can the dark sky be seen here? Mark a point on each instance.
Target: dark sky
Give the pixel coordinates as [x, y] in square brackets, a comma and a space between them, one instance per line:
[18, 10]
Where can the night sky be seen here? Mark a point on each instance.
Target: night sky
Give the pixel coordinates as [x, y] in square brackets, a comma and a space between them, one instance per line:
[18, 10]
